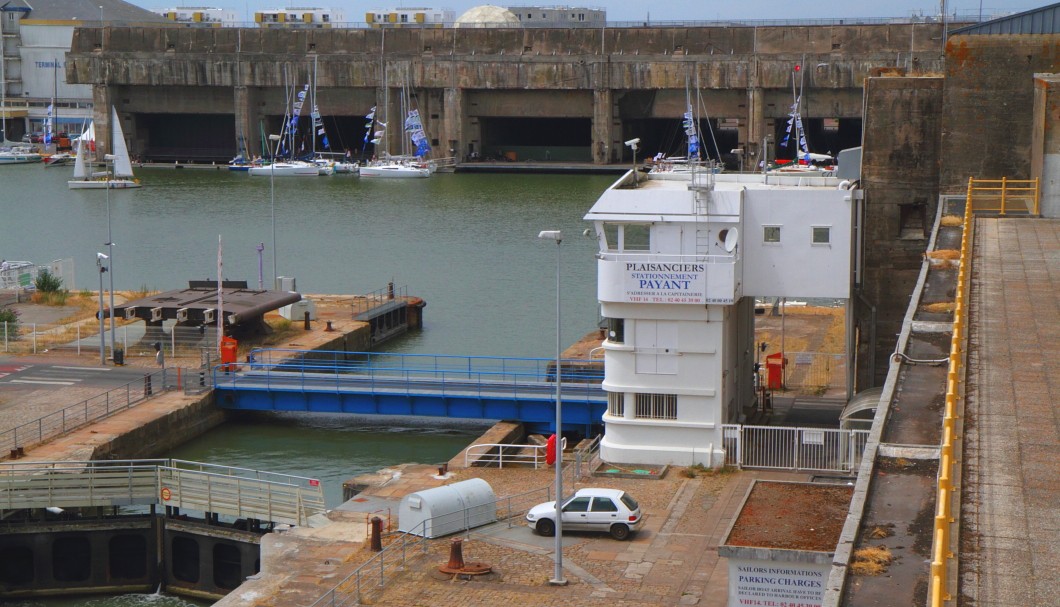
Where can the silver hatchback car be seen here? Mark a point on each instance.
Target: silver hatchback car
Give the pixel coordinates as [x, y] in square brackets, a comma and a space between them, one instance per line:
[593, 509]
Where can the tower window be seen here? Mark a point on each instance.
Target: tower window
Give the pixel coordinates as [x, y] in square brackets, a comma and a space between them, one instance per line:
[821, 235]
[656, 406]
[771, 233]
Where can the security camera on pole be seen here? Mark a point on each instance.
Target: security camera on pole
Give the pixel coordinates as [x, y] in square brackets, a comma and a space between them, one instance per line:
[102, 339]
[557, 578]
[633, 145]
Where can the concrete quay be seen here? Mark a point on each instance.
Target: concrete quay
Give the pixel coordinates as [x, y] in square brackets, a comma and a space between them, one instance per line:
[672, 560]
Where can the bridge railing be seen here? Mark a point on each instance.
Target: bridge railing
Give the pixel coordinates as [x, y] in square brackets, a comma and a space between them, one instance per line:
[78, 484]
[411, 374]
[422, 364]
[237, 492]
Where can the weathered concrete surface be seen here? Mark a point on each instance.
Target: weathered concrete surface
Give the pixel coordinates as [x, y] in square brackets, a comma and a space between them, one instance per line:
[1010, 525]
[989, 102]
[743, 73]
[900, 164]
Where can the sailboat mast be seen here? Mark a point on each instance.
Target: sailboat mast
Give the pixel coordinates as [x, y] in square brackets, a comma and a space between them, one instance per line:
[386, 92]
[313, 105]
[3, 97]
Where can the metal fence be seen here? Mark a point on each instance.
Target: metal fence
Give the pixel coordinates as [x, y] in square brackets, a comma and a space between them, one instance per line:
[134, 338]
[814, 371]
[17, 439]
[19, 276]
[372, 576]
[797, 449]
[225, 490]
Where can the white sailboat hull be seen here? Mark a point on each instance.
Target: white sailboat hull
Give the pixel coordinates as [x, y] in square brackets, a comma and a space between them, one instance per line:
[286, 169]
[103, 184]
[19, 158]
[395, 171]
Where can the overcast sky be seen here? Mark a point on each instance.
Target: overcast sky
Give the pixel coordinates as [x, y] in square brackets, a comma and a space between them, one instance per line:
[665, 10]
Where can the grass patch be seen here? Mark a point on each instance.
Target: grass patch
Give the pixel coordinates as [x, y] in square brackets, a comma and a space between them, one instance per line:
[942, 306]
[871, 561]
[50, 298]
[944, 254]
[697, 470]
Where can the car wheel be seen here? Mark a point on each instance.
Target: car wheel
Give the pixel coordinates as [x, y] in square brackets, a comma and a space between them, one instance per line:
[546, 527]
[620, 532]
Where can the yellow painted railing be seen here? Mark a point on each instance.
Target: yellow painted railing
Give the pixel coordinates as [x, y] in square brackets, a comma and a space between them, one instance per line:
[949, 458]
[1005, 196]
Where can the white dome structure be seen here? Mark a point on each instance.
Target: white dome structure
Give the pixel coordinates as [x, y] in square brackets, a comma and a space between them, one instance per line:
[488, 15]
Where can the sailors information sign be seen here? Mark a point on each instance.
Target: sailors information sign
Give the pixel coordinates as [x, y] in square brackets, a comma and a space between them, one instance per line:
[767, 583]
[666, 283]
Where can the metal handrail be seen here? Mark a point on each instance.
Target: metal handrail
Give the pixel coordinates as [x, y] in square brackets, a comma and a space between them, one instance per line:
[1004, 190]
[181, 483]
[84, 413]
[948, 499]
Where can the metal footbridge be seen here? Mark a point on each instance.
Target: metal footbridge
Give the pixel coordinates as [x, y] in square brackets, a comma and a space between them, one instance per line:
[237, 492]
[470, 387]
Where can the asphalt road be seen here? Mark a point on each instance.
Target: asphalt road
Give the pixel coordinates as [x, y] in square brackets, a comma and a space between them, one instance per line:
[24, 373]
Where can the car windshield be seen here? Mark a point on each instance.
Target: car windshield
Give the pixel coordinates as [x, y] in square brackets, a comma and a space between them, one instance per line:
[630, 503]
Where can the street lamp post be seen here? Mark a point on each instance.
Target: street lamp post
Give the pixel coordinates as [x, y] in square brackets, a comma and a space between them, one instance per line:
[557, 576]
[272, 194]
[102, 347]
[108, 160]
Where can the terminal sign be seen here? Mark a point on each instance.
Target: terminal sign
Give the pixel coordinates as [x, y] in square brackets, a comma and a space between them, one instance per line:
[665, 283]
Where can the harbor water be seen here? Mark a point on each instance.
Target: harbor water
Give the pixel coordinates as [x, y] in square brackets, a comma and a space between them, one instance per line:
[467, 244]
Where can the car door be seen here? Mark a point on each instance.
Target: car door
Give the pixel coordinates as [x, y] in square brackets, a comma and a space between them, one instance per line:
[576, 514]
[602, 513]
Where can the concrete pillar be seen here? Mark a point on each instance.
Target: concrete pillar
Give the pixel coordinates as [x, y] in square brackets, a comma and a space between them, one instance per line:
[1045, 142]
[451, 131]
[245, 136]
[756, 127]
[603, 127]
[101, 103]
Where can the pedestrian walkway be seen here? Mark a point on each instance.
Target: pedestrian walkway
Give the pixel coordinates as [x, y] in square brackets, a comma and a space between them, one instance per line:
[1010, 523]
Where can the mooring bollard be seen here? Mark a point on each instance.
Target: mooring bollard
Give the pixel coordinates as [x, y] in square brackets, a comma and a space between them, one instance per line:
[456, 554]
[377, 534]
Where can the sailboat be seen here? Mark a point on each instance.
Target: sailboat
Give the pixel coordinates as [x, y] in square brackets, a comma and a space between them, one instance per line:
[392, 167]
[806, 163]
[288, 168]
[681, 167]
[121, 178]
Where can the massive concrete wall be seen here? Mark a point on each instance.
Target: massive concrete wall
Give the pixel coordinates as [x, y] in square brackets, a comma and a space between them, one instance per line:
[989, 102]
[899, 170]
[745, 73]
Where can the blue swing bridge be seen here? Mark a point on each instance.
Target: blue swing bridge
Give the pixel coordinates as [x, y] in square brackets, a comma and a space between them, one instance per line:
[372, 383]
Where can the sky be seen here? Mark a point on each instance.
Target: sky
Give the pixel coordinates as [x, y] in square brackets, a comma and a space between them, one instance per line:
[665, 10]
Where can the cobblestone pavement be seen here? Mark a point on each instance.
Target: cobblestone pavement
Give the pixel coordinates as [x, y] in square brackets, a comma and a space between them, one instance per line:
[672, 560]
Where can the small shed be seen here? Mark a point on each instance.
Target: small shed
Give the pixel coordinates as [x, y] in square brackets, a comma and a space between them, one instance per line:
[449, 509]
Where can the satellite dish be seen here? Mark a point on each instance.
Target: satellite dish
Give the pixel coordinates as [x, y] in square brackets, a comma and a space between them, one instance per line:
[729, 237]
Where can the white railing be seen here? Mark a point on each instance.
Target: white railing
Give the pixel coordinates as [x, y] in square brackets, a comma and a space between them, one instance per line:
[662, 258]
[237, 492]
[496, 454]
[797, 449]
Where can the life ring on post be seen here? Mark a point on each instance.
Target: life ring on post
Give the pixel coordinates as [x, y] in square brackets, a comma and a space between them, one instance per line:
[550, 450]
